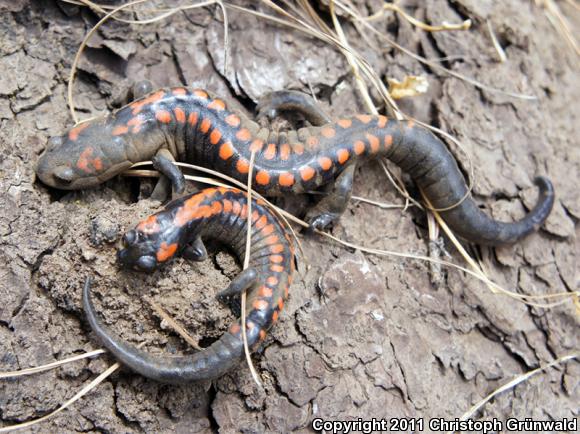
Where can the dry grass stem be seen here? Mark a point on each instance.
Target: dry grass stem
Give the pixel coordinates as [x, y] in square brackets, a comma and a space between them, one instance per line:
[49, 366]
[86, 389]
[246, 265]
[465, 25]
[499, 50]
[519, 379]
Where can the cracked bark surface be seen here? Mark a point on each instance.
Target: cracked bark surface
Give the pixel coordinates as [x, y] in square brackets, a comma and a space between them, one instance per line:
[361, 336]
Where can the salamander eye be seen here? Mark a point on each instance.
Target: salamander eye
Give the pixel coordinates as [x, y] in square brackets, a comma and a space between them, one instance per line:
[54, 142]
[130, 237]
[146, 263]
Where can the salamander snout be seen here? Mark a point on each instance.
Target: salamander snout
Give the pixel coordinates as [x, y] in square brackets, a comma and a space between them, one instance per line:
[138, 253]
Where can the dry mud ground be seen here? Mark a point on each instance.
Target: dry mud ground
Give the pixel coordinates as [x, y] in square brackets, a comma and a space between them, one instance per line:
[362, 336]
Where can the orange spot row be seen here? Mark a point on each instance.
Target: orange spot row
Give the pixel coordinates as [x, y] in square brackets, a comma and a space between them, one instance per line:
[137, 106]
[163, 116]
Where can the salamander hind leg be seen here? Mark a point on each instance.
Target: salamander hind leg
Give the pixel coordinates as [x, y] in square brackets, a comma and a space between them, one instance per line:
[163, 162]
[332, 206]
[274, 103]
[195, 251]
[243, 281]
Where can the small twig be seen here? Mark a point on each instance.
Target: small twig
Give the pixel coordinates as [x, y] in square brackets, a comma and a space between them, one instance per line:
[174, 324]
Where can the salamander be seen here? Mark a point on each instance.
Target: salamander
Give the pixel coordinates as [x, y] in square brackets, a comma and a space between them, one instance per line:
[191, 125]
[214, 213]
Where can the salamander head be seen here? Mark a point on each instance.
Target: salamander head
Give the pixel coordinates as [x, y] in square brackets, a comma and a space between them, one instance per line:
[87, 156]
[153, 242]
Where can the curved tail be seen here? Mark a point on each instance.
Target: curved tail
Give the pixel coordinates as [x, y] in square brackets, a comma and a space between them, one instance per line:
[208, 364]
[433, 168]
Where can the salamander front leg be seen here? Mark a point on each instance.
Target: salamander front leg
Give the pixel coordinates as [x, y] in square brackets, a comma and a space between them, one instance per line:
[272, 104]
[163, 162]
[332, 206]
[245, 280]
[195, 251]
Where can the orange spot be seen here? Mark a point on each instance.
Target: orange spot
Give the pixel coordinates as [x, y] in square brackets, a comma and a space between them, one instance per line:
[270, 151]
[243, 166]
[97, 164]
[205, 125]
[275, 316]
[192, 118]
[265, 292]
[284, 151]
[201, 94]
[235, 329]
[342, 155]
[215, 136]
[286, 289]
[359, 147]
[374, 141]
[84, 160]
[272, 239]
[286, 179]
[216, 207]
[121, 129]
[244, 134]
[260, 305]
[149, 225]
[163, 116]
[272, 281]
[227, 205]
[277, 248]
[179, 91]
[328, 132]
[307, 173]
[410, 124]
[276, 268]
[388, 141]
[166, 251]
[256, 145]
[277, 259]
[365, 119]
[298, 148]
[280, 303]
[217, 104]
[382, 121]
[261, 222]
[233, 120]
[262, 334]
[136, 123]
[250, 325]
[179, 115]
[268, 230]
[74, 133]
[262, 177]
[312, 141]
[325, 163]
[244, 211]
[138, 105]
[226, 150]
[345, 123]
